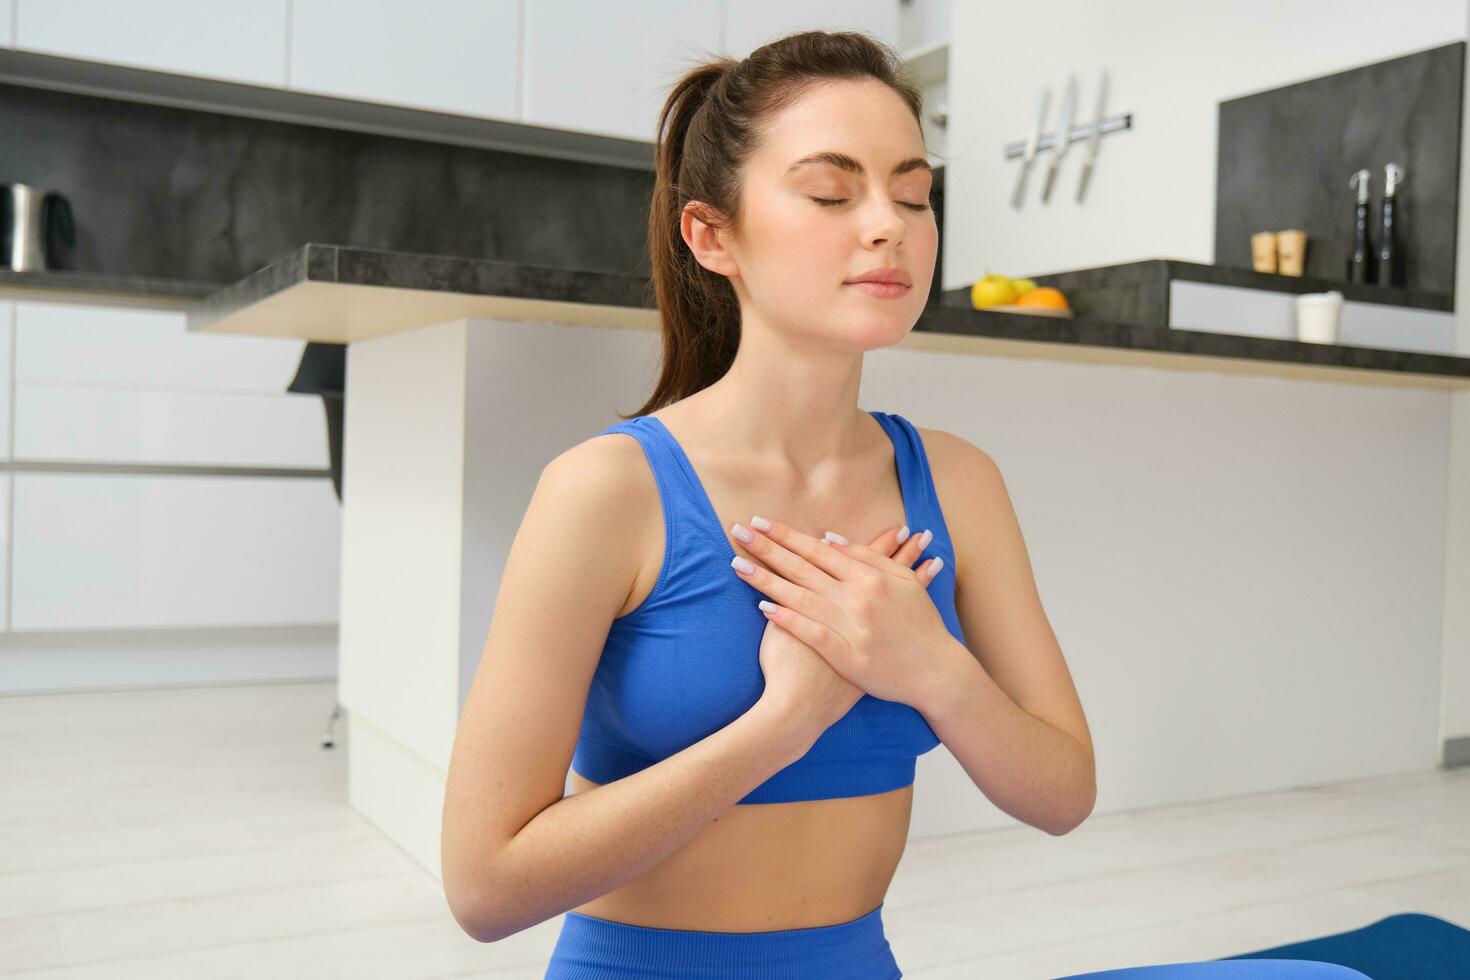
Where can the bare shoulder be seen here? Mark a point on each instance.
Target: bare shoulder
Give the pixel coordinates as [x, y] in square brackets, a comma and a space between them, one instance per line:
[967, 482]
[610, 473]
[954, 451]
[609, 476]
[612, 462]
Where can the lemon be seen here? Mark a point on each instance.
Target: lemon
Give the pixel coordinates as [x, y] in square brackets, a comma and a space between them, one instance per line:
[992, 291]
[1023, 286]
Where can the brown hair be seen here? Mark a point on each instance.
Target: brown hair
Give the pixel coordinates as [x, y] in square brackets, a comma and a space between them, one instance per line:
[708, 127]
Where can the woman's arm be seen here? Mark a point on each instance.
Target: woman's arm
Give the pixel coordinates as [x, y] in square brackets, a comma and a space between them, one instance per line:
[1006, 706]
[1032, 770]
[513, 850]
[592, 842]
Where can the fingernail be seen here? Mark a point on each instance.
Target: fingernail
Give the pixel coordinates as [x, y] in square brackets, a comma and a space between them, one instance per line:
[935, 565]
[924, 539]
[742, 532]
[903, 534]
[742, 564]
[760, 523]
[767, 605]
[834, 536]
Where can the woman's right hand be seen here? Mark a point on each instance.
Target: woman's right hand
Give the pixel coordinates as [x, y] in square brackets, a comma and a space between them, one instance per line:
[800, 680]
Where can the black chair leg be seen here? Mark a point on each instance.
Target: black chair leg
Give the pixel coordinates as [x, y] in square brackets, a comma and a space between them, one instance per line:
[329, 740]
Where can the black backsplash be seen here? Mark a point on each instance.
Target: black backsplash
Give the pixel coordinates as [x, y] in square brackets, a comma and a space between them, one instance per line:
[177, 193]
[1285, 156]
[174, 193]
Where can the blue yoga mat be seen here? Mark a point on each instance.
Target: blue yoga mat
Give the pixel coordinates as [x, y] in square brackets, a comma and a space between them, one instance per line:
[1401, 947]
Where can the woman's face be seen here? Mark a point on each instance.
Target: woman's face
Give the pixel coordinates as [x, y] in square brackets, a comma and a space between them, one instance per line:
[796, 255]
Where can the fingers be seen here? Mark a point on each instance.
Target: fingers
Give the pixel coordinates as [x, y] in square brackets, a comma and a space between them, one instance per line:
[793, 597]
[911, 549]
[908, 552]
[887, 543]
[815, 635]
[929, 570]
[794, 555]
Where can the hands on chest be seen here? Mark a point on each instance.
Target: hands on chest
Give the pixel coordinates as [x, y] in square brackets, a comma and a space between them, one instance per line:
[863, 608]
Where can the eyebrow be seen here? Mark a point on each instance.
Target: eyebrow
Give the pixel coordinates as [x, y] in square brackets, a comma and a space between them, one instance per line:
[844, 162]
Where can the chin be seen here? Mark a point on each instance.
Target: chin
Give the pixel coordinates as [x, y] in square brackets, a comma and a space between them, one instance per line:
[880, 329]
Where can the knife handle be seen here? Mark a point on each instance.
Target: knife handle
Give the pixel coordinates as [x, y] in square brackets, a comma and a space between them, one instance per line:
[1082, 182]
[1020, 192]
[1051, 175]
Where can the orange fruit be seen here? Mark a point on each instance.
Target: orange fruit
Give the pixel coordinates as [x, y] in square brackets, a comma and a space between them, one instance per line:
[1048, 296]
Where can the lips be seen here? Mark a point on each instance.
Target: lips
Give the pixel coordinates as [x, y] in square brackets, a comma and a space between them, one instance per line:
[887, 274]
[882, 290]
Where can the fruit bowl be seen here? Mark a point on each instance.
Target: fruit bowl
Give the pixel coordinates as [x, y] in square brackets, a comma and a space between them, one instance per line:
[1037, 310]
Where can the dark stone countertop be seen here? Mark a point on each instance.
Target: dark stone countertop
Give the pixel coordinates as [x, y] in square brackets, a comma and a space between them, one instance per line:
[438, 278]
[102, 287]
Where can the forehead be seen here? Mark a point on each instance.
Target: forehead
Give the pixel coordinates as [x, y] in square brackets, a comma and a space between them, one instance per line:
[859, 127]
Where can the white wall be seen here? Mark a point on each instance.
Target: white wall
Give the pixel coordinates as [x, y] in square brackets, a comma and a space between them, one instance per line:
[1152, 192]
[1153, 189]
[1455, 702]
[922, 23]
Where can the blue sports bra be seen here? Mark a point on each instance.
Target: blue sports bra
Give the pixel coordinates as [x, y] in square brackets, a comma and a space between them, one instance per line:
[686, 662]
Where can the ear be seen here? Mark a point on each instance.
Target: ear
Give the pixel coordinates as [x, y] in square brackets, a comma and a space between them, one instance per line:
[706, 241]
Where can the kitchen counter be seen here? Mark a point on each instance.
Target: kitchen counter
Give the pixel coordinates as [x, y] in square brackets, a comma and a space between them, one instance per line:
[337, 294]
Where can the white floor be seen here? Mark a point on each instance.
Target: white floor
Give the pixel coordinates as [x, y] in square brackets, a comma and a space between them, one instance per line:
[203, 833]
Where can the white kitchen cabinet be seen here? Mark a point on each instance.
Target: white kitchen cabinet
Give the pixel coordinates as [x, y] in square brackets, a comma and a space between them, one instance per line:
[7, 333]
[607, 68]
[6, 481]
[234, 40]
[444, 55]
[129, 551]
[102, 345]
[97, 384]
[7, 16]
[63, 423]
[751, 23]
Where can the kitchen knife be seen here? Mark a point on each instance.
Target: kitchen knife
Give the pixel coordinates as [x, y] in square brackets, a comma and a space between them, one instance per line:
[1030, 155]
[1063, 137]
[1096, 135]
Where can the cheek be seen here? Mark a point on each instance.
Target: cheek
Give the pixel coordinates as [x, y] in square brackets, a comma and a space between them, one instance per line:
[804, 251]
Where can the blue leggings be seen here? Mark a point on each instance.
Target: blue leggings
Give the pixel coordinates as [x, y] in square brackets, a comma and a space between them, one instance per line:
[589, 948]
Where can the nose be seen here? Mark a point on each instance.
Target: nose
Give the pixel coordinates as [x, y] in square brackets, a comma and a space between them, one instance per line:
[887, 224]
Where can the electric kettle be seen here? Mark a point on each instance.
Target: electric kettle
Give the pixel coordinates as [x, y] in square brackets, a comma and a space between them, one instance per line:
[31, 218]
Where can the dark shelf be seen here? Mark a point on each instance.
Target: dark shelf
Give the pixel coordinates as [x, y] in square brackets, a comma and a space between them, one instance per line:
[1138, 292]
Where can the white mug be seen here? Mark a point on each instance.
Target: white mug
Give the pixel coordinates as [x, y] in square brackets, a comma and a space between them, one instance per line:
[1318, 316]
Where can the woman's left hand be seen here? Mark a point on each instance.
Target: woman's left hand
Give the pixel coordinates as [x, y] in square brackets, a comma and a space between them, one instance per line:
[869, 615]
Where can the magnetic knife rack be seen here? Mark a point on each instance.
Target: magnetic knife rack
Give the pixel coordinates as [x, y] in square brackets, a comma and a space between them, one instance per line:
[1048, 141]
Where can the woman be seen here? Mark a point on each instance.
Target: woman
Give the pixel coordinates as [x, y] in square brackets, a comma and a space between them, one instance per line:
[743, 736]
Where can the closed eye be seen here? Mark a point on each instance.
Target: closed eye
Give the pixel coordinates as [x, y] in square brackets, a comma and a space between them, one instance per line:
[828, 202]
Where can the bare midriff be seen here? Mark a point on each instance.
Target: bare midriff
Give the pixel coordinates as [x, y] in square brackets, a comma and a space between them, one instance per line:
[765, 866]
